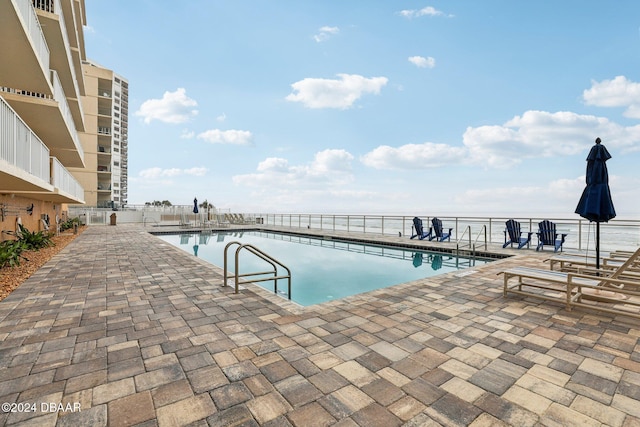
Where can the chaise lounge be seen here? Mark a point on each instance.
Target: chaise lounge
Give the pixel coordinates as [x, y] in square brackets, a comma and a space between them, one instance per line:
[615, 291]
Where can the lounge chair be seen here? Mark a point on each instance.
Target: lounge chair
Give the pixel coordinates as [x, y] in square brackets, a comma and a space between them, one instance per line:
[514, 233]
[417, 230]
[575, 262]
[613, 291]
[437, 232]
[547, 235]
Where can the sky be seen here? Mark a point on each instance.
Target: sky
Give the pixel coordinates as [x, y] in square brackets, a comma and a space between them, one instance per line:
[459, 107]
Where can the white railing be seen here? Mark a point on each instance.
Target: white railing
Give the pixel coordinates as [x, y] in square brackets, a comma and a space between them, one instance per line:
[61, 178]
[616, 234]
[20, 146]
[30, 18]
[60, 97]
[48, 5]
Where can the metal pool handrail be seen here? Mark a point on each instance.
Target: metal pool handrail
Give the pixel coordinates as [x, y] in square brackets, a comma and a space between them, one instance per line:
[472, 248]
[260, 254]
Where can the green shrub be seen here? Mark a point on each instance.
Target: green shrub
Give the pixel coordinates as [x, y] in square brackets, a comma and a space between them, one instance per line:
[69, 223]
[34, 240]
[11, 252]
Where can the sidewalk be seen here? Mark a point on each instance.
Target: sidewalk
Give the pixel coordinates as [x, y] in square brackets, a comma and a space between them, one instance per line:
[122, 329]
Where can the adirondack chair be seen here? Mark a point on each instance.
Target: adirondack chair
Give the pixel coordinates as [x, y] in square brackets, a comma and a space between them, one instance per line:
[547, 235]
[417, 230]
[514, 234]
[437, 232]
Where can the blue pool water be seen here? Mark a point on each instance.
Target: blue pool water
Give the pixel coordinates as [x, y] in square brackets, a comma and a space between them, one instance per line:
[321, 270]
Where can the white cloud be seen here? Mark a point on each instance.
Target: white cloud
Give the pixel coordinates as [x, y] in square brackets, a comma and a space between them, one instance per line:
[329, 167]
[416, 13]
[221, 118]
[232, 136]
[413, 156]
[195, 171]
[422, 62]
[174, 107]
[335, 93]
[187, 134]
[539, 134]
[618, 92]
[274, 164]
[156, 172]
[535, 134]
[325, 32]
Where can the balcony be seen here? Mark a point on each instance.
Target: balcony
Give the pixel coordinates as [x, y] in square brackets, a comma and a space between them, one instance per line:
[24, 42]
[55, 32]
[51, 119]
[24, 159]
[26, 167]
[75, 19]
[66, 186]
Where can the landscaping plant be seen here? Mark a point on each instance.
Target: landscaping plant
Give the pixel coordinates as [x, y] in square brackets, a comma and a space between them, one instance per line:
[11, 252]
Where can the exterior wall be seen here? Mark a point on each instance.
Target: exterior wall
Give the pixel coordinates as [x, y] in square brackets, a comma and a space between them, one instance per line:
[16, 207]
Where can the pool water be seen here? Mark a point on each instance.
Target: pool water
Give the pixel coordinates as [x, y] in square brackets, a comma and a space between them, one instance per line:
[321, 270]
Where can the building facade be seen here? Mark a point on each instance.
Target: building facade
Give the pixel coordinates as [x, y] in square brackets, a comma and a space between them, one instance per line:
[63, 119]
[106, 107]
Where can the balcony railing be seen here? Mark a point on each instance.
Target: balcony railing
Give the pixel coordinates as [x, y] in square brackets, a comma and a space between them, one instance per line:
[46, 5]
[60, 97]
[20, 146]
[62, 179]
[34, 30]
[49, 6]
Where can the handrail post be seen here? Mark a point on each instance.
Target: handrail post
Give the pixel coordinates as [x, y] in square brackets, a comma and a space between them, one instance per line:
[225, 260]
[580, 234]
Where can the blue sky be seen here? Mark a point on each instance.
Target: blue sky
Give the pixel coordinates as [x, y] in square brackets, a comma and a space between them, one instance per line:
[400, 107]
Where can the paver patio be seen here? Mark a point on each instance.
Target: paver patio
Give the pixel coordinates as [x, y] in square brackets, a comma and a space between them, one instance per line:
[121, 328]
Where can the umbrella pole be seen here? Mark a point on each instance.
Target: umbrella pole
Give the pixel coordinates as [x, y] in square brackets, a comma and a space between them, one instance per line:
[597, 245]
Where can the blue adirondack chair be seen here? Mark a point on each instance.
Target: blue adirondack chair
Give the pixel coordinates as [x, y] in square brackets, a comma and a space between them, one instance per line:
[437, 232]
[548, 236]
[417, 230]
[514, 235]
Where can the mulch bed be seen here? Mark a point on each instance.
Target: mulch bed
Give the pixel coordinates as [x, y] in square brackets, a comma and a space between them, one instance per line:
[12, 277]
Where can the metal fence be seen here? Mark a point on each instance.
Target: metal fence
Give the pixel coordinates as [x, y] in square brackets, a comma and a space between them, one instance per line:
[617, 234]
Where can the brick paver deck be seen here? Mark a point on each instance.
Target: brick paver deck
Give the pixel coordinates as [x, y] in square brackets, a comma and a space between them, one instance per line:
[122, 329]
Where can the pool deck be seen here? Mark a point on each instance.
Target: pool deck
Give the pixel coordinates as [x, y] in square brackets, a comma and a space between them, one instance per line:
[133, 331]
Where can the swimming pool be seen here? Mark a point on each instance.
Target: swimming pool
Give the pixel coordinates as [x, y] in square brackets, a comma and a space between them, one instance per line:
[322, 270]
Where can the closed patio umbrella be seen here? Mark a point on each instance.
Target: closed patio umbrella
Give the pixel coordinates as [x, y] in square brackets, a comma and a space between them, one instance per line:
[595, 203]
[195, 206]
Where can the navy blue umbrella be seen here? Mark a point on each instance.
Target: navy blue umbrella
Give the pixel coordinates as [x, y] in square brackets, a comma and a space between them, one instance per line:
[195, 206]
[595, 203]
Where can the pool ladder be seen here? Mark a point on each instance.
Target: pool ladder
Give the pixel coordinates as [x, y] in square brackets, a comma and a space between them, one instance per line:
[472, 246]
[260, 254]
